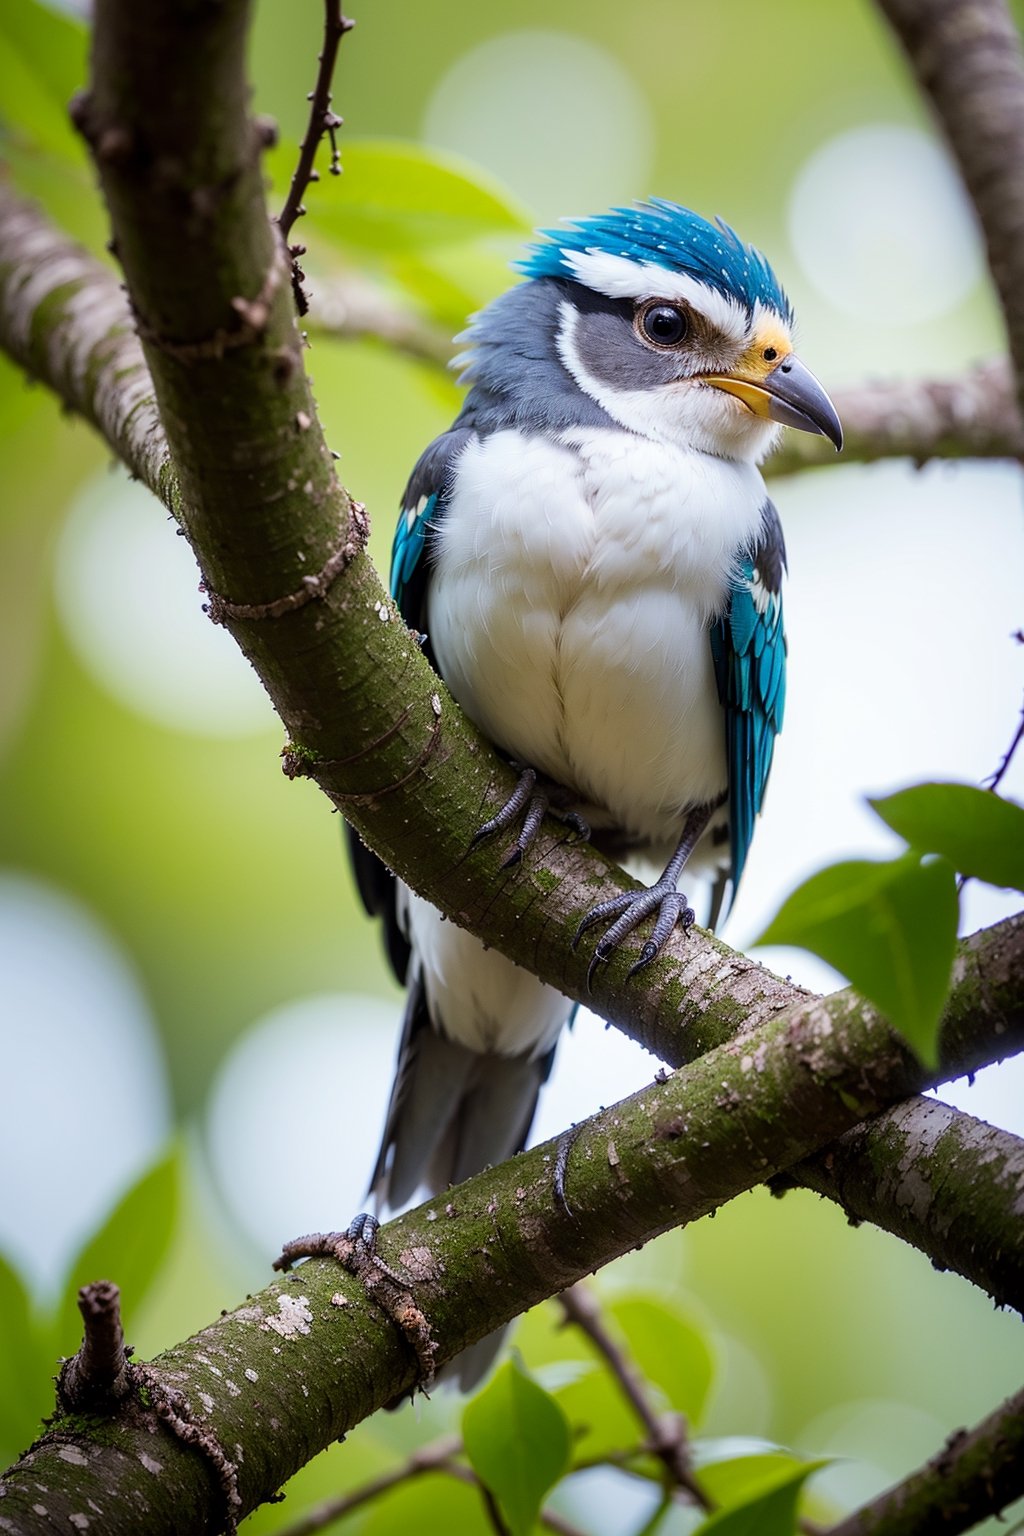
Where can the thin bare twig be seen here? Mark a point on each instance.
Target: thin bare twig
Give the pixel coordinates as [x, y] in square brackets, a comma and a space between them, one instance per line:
[321, 120]
[994, 781]
[666, 1433]
[438, 1457]
[429, 1458]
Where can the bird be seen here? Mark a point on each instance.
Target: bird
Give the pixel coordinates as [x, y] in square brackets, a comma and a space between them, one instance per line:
[592, 561]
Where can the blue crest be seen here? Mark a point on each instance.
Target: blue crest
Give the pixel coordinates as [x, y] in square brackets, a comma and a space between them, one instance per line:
[665, 235]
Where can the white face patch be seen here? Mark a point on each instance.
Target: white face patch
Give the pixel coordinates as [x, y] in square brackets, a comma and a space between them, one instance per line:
[688, 414]
[619, 278]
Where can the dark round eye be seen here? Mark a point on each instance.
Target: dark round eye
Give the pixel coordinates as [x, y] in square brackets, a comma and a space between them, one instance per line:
[769, 354]
[665, 324]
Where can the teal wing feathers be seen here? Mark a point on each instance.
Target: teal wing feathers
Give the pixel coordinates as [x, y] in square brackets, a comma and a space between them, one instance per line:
[748, 644]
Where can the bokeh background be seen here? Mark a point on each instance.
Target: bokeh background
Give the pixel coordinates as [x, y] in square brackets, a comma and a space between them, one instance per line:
[184, 967]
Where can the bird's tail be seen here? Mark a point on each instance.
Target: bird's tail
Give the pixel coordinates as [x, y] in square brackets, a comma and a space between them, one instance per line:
[453, 1112]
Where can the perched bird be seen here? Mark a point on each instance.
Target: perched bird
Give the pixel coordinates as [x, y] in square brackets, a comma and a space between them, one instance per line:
[593, 558]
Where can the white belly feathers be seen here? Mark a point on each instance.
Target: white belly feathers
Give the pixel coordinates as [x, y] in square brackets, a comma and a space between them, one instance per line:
[572, 593]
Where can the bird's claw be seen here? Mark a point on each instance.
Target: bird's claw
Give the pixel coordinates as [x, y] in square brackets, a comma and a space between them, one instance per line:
[627, 912]
[530, 804]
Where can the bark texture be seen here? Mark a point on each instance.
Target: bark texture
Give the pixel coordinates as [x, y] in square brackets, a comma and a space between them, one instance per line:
[312, 1355]
[966, 57]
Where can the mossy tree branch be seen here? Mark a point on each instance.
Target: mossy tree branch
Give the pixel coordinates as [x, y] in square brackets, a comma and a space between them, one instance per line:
[254, 486]
[312, 1355]
[63, 317]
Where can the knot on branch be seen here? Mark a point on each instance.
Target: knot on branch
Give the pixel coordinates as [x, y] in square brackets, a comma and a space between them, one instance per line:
[221, 610]
[101, 1377]
[252, 318]
[98, 1377]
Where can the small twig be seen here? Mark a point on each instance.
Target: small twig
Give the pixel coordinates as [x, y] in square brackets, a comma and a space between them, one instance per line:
[438, 1457]
[321, 120]
[995, 779]
[666, 1433]
[431, 1458]
[977, 1473]
[99, 1375]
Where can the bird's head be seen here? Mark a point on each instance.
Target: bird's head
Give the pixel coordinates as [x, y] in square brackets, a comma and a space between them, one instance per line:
[678, 330]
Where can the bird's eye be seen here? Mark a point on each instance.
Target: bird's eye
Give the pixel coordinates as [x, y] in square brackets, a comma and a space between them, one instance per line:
[769, 354]
[664, 324]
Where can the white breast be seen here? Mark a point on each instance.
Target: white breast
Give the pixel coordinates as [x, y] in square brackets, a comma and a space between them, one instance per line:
[569, 612]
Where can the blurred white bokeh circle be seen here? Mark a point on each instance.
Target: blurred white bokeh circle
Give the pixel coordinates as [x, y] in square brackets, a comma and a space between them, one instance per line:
[882, 227]
[296, 1113]
[86, 1101]
[555, 116]
[128, 597]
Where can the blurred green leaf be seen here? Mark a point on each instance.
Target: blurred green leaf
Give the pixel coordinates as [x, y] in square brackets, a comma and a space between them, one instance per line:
[395, 196]
[669, 1349]
[129, 1248]
[42, 63]
[980, 833]
[890, 927]
[517, 1440]
[765, 1507]
[27, 1366]
[730, 1477]
[601, 1418]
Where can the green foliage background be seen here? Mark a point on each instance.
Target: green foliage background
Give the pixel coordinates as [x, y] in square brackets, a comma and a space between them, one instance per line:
[223, 882]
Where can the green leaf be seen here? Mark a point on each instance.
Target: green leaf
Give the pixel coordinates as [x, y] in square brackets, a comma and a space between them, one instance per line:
[128, 1248]
[980, 833]
[394, 196]
[42, 62]
[27, 1367]
[768, 1507]
[890, 927]
[517, 1440]
[669, 1349]
[732, 1473]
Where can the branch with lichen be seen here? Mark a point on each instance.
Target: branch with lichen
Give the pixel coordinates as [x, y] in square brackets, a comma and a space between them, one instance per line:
[317, 1351]
[946, 1183]
[377, 729]
[281, 550]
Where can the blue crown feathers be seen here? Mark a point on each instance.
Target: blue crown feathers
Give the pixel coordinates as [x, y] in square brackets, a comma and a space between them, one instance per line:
[665, 235]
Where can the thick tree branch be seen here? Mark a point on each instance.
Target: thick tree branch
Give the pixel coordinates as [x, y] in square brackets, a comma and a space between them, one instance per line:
[977, 1473]
[966, 57]
[313, 1355]
[62, 317]
[939, 1179]
[259, 499]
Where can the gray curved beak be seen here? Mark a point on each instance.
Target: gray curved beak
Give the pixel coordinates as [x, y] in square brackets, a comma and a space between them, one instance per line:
[789, 393]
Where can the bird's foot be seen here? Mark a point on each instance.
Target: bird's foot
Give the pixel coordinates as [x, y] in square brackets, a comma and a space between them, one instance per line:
[528, 804]
[627, 912]
[356, 1251]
